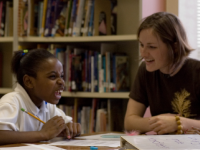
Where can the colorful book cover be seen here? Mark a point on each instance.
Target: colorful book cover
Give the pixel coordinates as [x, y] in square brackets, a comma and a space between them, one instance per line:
[60, 18]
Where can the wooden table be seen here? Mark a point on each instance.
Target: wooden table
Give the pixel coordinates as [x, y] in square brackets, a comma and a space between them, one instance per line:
[68, 147]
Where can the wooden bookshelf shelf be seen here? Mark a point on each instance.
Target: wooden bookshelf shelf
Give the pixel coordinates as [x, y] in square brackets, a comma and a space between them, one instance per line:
[5, 90]
[113, 38]
[6, 39]
[120, 95]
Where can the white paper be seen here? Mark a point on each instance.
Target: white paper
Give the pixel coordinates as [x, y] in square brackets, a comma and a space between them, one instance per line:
[163, 142]
[33, 147]
[87, 143]
[107, 136]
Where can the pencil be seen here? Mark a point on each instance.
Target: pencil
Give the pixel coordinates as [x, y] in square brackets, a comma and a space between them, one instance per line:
[32, 115]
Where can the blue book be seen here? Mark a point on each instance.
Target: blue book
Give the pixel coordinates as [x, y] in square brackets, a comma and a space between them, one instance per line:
[91, 22]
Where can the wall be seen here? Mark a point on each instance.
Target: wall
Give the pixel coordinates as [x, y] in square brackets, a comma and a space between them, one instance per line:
[151, 6]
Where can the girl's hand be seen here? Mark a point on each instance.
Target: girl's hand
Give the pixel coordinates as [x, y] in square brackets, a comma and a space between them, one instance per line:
[162, 124]
[53, 127]
[71, 130]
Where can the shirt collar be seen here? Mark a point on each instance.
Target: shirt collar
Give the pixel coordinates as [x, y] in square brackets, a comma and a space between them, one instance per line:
[31, 107]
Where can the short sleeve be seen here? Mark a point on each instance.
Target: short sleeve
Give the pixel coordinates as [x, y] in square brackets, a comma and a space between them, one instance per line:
[8, 116]
[55, 111]
[138, 89]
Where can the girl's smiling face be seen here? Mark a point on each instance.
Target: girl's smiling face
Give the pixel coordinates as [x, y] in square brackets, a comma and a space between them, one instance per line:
[154, 52]
[49, 83]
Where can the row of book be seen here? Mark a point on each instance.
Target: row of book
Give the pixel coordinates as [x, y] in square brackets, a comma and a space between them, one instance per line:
[86, 70]
[100, 116]
[67, 17]
[94, 71]
[6, 18]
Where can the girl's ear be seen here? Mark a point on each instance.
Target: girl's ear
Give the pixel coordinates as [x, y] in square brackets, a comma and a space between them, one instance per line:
[28, 82]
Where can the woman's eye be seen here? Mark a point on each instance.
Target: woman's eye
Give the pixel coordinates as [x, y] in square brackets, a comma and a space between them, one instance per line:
[153, 47]
[141, 45]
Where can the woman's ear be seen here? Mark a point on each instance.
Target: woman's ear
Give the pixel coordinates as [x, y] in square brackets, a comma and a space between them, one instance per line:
[28, 82]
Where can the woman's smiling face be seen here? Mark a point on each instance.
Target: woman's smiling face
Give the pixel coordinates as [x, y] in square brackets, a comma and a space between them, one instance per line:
[153, 51]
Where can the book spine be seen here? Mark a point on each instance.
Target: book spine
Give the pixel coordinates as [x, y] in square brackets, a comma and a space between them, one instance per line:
[79, 17]
[100, 70]
[96, 72]
[48, 17]
[91, 22]
[44, 17]
[68, 17]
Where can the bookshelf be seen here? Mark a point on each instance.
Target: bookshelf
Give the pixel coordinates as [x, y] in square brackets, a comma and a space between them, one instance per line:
[128, 16]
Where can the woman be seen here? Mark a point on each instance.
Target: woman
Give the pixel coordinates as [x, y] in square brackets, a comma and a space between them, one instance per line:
[167, 80]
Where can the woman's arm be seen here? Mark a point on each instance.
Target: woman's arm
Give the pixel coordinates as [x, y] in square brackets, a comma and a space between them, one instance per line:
[166, 123]
[134, 117]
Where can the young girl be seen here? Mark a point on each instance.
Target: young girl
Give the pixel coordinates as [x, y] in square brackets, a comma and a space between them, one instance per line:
[40, 79]
[167, 80]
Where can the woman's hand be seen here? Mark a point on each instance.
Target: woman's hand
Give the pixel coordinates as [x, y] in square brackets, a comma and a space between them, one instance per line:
[71, 130]
[53, 127]
[163, 124]
[193, 130]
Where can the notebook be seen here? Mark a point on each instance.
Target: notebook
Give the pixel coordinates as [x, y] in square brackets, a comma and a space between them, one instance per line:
[161, 142]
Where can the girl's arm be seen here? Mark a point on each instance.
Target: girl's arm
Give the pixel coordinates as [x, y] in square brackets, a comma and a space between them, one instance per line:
[134, 117]
[11, 137]
[50, 129]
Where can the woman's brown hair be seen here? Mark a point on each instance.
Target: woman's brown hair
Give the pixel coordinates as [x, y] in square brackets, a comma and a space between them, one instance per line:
[170, 29]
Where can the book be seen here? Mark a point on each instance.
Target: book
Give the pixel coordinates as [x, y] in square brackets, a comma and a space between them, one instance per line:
[45, 2]
[91, 20]
[9, 19]
[88, 5]
[161, 142]
[40, 14]
[79, 17]
[3, 16]
[68, 17]
[32, 14]
[72, 23]
[48, 17]
[60, 18]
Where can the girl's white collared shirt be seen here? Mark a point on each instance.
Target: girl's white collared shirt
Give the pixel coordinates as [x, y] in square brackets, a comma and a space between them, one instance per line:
[12, 118]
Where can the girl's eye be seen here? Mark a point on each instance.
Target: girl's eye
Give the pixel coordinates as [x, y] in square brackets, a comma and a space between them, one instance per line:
[52, 77]
[62, 76]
